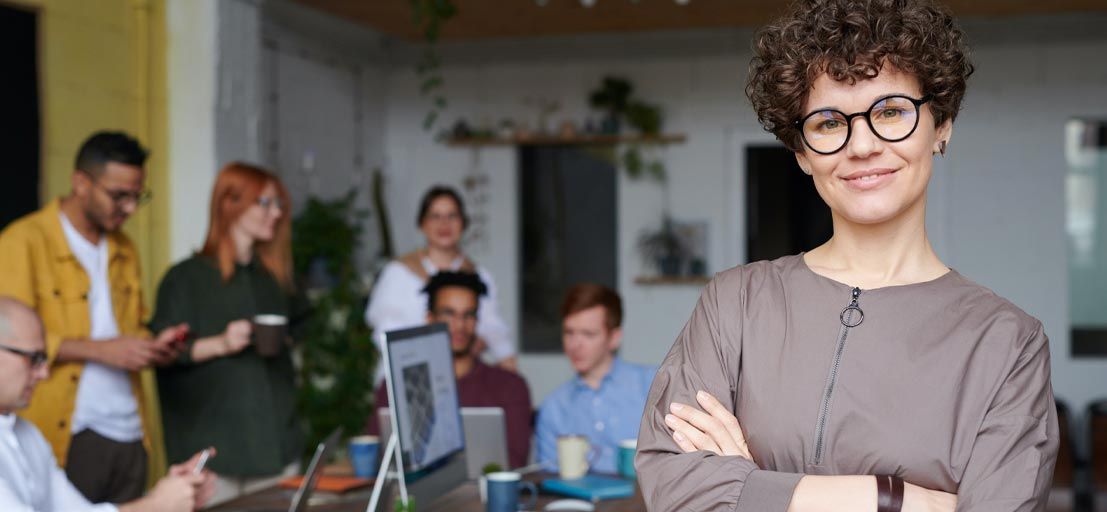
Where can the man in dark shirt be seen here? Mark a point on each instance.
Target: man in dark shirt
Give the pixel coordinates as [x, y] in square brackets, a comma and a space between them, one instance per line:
[453, 299]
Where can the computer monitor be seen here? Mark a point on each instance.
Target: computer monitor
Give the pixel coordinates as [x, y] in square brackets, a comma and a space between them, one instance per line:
[485, 437]
[422, 389]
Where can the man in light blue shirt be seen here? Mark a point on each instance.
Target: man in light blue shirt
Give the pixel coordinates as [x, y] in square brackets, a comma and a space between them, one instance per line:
[604, 402]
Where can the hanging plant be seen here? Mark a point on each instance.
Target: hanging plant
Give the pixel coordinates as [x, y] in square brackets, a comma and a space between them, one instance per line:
[428, 16]
[612, 97]
[615, 96]
[638, 166]
[644, 117]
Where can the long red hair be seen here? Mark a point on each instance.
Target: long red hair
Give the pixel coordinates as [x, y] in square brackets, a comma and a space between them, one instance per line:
[237, 188]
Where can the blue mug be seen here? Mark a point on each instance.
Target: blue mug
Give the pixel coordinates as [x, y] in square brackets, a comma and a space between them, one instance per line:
[627, 449]
[502, 491]
[364, 452]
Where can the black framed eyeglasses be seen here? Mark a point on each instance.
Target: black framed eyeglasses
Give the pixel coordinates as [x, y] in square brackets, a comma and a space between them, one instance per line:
[121, 197]
[891, 118]
[36, 357]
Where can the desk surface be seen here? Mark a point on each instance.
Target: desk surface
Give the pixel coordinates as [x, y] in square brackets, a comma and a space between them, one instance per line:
[465, 498]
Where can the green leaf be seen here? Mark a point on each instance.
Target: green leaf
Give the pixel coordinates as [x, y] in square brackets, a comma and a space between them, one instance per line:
[445, 9]
[429, 84]
[632, 161]
[427, 62]
[645, 117]
[428, 121]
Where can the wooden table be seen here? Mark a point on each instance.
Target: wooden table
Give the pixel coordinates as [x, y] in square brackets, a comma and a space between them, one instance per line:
[277, 499]
[465, 498]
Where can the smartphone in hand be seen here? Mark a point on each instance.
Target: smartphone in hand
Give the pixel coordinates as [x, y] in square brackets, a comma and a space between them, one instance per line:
[204, 456]
[182, 336]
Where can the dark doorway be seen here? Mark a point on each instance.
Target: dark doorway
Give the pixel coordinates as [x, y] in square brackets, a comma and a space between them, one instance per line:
[19, 133]
[568, 203]
[784, 213]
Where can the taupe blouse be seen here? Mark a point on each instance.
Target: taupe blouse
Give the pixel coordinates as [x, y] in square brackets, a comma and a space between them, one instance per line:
[942, 383]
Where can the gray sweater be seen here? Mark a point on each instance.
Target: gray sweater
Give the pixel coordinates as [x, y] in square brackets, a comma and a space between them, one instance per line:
[942, 383]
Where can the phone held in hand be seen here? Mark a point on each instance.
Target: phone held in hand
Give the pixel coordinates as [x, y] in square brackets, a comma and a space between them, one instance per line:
[204, 456]
[182, 336]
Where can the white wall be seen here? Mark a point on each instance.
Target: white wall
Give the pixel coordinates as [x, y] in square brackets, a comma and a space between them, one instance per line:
[192, 64]
[1006, 174]
[322, 123]
[700, 97]
[997, 208]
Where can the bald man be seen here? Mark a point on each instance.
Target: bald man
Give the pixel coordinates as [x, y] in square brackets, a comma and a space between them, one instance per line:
[30, 479]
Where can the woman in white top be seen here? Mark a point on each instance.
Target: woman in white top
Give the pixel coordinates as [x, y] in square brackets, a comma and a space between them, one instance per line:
[397, 300]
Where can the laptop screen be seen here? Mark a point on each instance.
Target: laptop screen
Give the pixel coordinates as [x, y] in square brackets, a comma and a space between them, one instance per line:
[423, 390]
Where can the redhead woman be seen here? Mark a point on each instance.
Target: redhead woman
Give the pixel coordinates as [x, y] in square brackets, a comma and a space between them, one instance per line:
[865, 374]
[221, 392]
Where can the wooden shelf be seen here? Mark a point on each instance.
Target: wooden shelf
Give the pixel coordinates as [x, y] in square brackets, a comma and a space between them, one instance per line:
[672, 280]
[579, 140]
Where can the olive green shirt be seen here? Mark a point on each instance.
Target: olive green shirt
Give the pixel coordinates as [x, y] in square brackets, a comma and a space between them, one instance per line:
[243, 404]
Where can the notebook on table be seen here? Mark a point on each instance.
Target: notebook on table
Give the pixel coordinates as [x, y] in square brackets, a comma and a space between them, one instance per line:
[591, 487]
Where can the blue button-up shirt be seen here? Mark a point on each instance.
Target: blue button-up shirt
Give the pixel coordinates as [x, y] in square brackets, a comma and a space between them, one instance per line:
[606, 415]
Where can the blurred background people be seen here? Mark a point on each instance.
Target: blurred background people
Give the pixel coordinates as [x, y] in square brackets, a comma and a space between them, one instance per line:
[30, 479]
[221, 390]
[71, 262]
[397, 300]
[454, 299]
[604, 401]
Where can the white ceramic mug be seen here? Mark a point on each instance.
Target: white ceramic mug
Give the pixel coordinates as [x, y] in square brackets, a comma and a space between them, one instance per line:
[573, 456]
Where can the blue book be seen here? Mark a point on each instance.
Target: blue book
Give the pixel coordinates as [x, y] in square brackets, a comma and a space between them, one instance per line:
[591, 487]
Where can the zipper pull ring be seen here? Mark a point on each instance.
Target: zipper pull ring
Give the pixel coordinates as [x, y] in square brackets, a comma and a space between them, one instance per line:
[852, 315]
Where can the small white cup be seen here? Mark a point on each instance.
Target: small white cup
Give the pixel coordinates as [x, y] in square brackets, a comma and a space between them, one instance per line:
[572, 456]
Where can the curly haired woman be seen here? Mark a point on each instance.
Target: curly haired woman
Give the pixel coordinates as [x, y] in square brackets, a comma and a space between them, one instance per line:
[864, 374]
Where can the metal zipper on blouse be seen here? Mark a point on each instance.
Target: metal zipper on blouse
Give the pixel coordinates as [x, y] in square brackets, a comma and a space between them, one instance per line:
[851, 317]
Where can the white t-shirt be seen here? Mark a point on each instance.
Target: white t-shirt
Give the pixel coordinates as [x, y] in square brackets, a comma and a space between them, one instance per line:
[105, 402]
[397, 302]
[30, 479]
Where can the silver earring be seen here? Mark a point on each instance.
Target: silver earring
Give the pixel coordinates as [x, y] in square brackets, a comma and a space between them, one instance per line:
[805, 171]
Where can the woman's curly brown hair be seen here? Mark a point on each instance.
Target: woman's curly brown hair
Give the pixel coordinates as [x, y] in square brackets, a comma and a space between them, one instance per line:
[851, 40]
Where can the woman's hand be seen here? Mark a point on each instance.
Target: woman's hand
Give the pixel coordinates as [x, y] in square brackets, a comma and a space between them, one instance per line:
[921, 499]
[237, 336]
[717, 430]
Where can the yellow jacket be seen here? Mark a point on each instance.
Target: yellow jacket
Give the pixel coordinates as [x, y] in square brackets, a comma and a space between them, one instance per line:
[37, 267]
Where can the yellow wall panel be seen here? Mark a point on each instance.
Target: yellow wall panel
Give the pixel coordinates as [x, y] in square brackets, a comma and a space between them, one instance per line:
[100, 62]
[89, 50]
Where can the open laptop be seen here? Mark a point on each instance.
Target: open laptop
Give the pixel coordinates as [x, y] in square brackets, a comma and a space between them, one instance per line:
[485, 437]
[299, 501]
[315, 468]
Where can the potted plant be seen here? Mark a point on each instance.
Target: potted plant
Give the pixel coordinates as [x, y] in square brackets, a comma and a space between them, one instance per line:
[644, 117]
[663, 248]
[338, 354]
[612, 97]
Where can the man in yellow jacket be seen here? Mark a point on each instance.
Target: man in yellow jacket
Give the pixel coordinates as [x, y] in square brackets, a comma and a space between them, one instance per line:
[72, 264]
